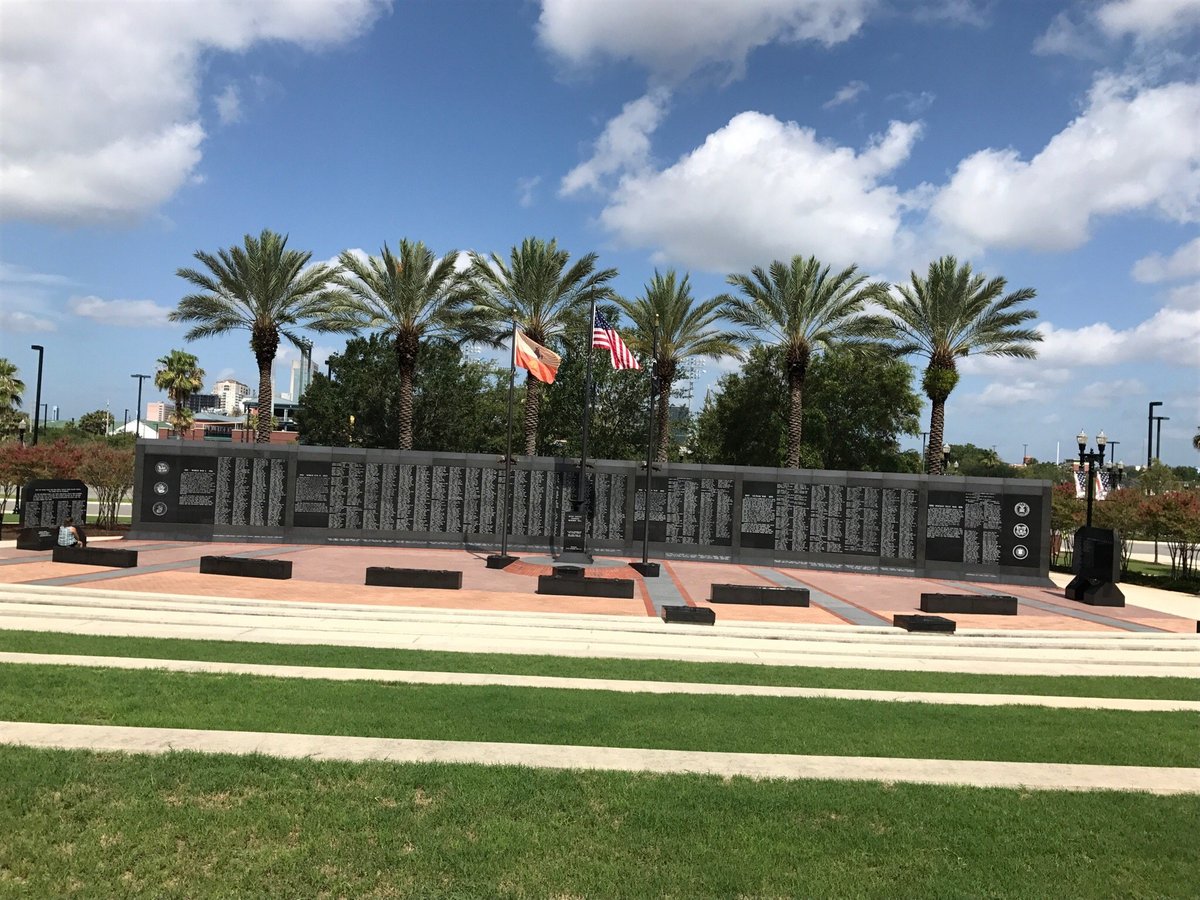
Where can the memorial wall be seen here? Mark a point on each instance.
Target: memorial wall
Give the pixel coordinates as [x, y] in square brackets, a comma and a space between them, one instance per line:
[975, 528]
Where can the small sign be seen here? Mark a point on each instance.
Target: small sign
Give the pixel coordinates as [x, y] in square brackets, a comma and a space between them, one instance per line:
[573, 532]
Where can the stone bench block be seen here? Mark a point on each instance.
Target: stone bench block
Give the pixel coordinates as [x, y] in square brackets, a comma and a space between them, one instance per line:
[246, 567]
[438, 579]
[977, 604]
[691, 615]
[619, 588]
[924, 623]
[97, 556]
[759, 595]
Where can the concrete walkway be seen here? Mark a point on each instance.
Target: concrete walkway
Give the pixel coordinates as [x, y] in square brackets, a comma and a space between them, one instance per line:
[1030, 776]
[106, 612]
[395, 676]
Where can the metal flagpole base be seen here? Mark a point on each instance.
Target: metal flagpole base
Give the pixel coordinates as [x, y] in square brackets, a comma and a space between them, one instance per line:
[501, 561]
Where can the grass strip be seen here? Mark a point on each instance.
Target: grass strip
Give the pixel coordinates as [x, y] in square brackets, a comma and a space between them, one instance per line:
[83, 695]
[570, 667]
[187, 825]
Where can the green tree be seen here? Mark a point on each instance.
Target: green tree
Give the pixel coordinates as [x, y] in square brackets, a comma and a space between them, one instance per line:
[979, 462]
[672, 327]
[264, 288]
[410, 298]
[97, 422]
[180, 375]
[109, 472]
[537, 288]
[11, 389]
[804, 308]
[948, 315]
[858, 407]
[458, 405]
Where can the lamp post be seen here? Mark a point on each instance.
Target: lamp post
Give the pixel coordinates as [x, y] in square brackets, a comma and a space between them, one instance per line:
[1150, 431]
[37, 400]
[945, 459]
[1158, 420]
[1090, 459]
[138, 410]
[21, 427]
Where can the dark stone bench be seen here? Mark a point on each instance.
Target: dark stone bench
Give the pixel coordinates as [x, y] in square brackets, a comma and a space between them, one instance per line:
[439, 579]
[37, 538]
[246, 567]
[759, 595]
[97, 556]
[619, 588]
[570, 572]
[977, 604]
[924, 623]
[691, 615]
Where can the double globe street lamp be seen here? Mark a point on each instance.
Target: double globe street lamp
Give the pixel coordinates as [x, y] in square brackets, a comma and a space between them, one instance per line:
[1097, 559]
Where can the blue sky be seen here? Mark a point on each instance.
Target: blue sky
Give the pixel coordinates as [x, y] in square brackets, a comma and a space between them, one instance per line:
[1056, 144]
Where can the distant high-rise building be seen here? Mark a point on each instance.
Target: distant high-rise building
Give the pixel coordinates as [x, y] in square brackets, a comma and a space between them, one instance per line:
[231, 394]
[299, 379]
[158, 411]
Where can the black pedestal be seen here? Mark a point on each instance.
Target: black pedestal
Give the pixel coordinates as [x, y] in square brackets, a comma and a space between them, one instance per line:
[36, 538]
[924, 623]
[97, 556]
[619, 588]
[759, 595]
[1094, 592]
[972, 604]
[692, 615]
[646, 569]
[500, 561]
[246, 567]
[439, 579]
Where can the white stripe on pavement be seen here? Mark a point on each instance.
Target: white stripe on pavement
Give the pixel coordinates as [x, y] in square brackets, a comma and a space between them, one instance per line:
[974, 773]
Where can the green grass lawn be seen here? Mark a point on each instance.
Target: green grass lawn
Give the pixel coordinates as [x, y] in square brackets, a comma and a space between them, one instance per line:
[185, 825]
[641, 670]
[40, 693]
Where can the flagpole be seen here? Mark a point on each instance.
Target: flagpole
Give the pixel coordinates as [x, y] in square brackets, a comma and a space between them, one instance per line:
[503, 560]
[645, 569]
[581, 485]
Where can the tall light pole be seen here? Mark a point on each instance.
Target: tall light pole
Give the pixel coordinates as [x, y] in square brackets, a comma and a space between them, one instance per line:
[138, 410]
[1158, 435]
[1150, 432]
[1090, 459]
[37, 400]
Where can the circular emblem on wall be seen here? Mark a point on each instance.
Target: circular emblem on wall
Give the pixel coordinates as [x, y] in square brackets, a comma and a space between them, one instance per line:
[1021, 530]
[159, 509]
[162, 468]
[1020, 551]
[1021, 509]
[160, 487]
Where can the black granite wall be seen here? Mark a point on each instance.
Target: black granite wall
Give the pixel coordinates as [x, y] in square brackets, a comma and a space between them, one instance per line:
[973, 528]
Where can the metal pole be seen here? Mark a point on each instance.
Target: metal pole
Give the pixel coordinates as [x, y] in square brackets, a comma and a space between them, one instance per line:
[512, 375]
[649, 447]
[581, 485]
[1158, 436]
[138, 412]
[1150, 431]
[1091, 474]
[37, 401]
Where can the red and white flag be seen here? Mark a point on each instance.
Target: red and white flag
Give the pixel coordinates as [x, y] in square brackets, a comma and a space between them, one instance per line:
[604, 335]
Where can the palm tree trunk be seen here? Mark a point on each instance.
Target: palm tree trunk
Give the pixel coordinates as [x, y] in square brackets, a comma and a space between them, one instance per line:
[664, 424]
[533, 409]
[937, 425]
[795, 417]
[262, 431]
[407, 347]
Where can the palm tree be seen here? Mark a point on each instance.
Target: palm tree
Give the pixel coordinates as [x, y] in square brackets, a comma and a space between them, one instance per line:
[180, 375]
[952, 313]
[11, 389]
[543, 294]
[410, 297]
[804, 308]
[685, 329]
[266, 289]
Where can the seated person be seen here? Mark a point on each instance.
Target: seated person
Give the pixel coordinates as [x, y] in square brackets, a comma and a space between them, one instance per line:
[69, 535]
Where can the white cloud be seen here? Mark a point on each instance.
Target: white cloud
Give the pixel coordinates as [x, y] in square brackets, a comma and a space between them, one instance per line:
[673, 38]
[913, 103]
[1148, 19]
[1185, 296]
[1100, 394]
[11, 274]
[956, 12]
[127, 313]
[1183, 263]
[1006, 393]
[17, 322]
[101, 99]
[847, 93]
[229, 105]
[624, 144]
[525, 190]
[760, 189]
[1131, 150]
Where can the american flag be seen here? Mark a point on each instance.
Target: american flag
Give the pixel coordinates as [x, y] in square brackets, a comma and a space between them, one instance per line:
[604, 335]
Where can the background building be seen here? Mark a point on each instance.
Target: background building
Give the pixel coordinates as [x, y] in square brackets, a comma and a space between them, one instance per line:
[231, 394]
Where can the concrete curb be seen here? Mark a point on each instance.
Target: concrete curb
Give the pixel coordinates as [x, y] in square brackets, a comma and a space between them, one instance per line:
[1028, 776]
